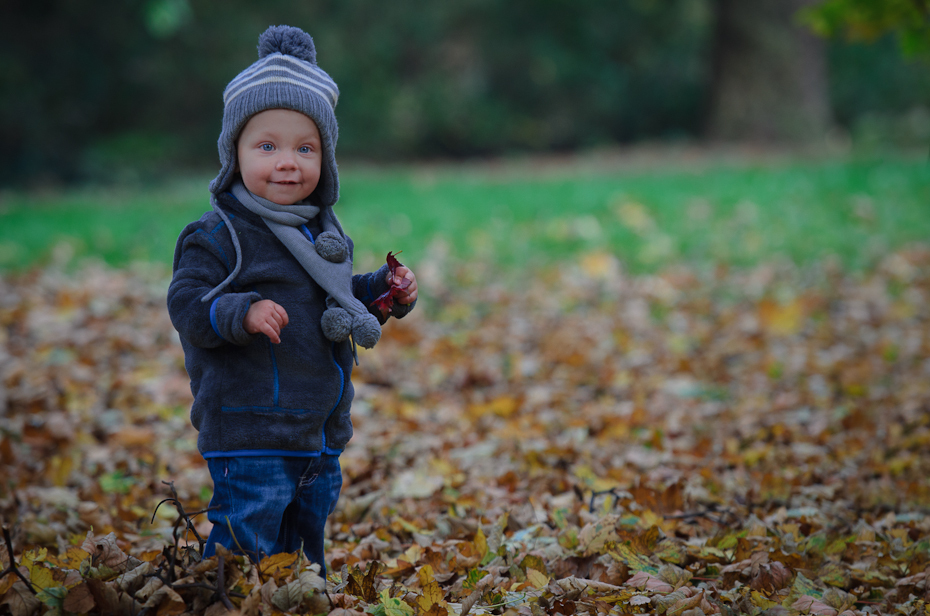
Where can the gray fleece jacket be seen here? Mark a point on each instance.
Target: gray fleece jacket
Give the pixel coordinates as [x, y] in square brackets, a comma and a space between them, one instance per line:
[252, 397]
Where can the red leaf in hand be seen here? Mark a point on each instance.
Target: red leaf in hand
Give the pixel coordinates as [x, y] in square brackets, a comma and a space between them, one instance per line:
[385, 301]
[392, 262]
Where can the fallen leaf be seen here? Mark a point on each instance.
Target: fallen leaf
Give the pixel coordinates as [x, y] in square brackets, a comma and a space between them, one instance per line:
[364, 585]
[647, 581]
[814, 606]
[79, 599]
[20, 601]
[299, 594]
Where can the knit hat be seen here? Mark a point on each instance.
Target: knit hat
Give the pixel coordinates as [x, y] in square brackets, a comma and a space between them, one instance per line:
[285, 76]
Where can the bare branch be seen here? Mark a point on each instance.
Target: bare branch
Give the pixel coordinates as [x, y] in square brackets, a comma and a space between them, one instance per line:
[13, 568]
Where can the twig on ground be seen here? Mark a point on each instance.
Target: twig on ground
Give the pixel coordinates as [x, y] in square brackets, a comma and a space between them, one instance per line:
[725, 513]
[183, 515]
[596, 493]
[13, 568]
[221, 584]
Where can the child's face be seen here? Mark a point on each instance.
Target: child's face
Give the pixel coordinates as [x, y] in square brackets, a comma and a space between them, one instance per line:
[280, 153]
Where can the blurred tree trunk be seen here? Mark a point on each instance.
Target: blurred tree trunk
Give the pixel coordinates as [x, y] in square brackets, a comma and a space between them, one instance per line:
[769, 79]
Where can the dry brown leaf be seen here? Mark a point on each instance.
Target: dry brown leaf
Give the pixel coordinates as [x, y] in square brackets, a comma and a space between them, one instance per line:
[166, 601]
[759, 425]
[104, 551]
[814, 606]
[686, 604]
[79, 599]
[304, 593]
[106, 597]
[647, 581]
[570, 584]
[20, 601]
[770, 577]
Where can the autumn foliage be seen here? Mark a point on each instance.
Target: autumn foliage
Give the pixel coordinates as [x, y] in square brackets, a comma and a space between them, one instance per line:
[385, 301]
[587, 442]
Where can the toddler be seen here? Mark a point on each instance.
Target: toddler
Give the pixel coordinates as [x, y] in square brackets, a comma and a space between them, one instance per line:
[269, 312]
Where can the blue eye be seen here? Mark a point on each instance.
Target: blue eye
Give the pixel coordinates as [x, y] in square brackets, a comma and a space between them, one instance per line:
[266, 147]
[304, 149]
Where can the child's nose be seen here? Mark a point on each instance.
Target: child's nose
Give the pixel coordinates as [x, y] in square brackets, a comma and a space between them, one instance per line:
[286, 162]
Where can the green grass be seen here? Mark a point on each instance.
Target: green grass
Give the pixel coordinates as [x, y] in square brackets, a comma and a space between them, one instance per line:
[699, 211]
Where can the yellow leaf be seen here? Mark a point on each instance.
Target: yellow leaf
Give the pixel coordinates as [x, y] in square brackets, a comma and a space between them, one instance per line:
[533, 561]
[599, 265]
[412, 555]
[60, 469]
[622, 597]
[394, 606]
[781, 319]
[594, 481]
[637, 562]
[71, 559]
[537, 579]
[761, 601]
[149, 556]
[505, 406]
[277, 564]
[649, 519]
[41, 577]
[431, 596]
[31, 557]
[481, 544]
[426, 575]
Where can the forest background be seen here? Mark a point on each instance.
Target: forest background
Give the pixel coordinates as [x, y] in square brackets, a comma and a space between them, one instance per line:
[671, 354]
[131, 89]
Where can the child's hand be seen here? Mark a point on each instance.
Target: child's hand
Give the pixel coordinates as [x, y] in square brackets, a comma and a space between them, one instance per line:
[409, 294]
[266, 317]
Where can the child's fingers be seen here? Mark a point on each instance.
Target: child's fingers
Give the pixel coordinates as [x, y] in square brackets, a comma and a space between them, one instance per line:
[280, 315]
[399, 274]
[266, 317]
[410, 293]
[405, 279]
[404, 283]
[271, 329]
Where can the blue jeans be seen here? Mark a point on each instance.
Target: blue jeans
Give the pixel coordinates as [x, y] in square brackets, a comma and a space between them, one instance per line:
[272, 504]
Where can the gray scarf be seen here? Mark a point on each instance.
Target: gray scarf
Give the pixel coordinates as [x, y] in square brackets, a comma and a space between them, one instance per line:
[325, 258]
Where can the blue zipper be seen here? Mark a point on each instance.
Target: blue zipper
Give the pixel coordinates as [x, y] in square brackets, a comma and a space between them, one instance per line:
[307, 233]
[342, 387]
[274, 371]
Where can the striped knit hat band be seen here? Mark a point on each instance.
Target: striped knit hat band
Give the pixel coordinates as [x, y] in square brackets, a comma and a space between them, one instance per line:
[285, 76]
[284, 69]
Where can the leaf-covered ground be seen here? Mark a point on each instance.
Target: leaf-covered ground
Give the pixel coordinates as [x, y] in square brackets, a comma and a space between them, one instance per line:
[589, 443]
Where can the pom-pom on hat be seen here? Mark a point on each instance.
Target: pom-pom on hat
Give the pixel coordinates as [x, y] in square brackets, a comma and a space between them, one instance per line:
[285, 76]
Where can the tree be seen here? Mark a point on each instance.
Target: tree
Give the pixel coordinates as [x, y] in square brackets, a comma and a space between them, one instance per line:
[867, 20]
[768, 80]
